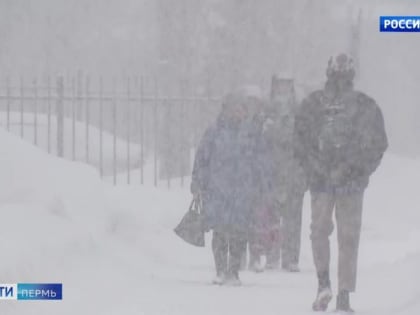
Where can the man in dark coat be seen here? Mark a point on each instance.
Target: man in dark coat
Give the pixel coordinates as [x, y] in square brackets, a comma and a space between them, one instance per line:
[340, 138]
[223, 177]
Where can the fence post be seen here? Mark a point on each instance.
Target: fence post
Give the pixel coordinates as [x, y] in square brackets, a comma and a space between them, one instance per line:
[193, 118]
[128, 130]
[21, 106]
[87, 118]
[60, 116]
[114, 122]
[141, 130]
[73, 118]
[101, 166]
[49, 113]
[35, 90]
[166, 143]
[182, 130]
[79, 107]
[8, 102]
[155, 136]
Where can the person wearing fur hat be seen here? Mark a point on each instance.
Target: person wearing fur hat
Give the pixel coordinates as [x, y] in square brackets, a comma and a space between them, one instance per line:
[340, 141]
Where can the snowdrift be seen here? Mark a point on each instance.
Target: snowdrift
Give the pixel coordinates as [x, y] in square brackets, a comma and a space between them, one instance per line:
[81, 141]
[114, 250]
[53, 216]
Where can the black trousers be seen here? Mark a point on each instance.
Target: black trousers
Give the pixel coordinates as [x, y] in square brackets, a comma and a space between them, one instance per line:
[228, 249]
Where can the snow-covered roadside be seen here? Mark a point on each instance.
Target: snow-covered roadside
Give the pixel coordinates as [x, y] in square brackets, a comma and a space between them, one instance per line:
[114, 250]
[54, 217]
[46, 202]
[180, 274]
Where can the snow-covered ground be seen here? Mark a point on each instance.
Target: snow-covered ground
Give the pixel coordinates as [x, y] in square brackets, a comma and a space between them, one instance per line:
[115, 253]
[86, 143]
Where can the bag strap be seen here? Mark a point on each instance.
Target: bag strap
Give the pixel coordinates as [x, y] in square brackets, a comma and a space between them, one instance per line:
[192, 205]
[195, 206]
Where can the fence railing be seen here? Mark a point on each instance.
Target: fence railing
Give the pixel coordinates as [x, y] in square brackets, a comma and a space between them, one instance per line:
[126, 128]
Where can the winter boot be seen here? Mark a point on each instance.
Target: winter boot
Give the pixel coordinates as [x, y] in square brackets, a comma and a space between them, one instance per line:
[232, 279]
[293, 268]
[343, 302]
[219, 279]
[272, 265]
[322, 300]
[273, 260]
[324, 294]
[256, 266]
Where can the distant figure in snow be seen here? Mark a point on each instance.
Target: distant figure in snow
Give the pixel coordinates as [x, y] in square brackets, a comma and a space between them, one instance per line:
[291, 183]
[223, 177]
[278, 219]
[340, 141]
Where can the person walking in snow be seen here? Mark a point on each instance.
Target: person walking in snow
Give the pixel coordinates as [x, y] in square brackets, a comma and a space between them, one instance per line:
[290, 181]
[278, 218]
[223, 178]
[264, 233]
[340, 141]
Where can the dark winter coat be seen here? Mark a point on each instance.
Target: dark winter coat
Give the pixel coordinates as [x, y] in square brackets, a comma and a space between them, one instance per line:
[225, 173]
[339, 167]
[282, 173]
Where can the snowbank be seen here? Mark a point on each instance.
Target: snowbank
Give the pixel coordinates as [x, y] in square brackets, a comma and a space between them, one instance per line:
[54, 214]
[114, 250]
[81, 141]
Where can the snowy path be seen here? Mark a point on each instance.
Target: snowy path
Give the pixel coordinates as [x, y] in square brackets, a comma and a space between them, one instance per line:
[179, 274]
[115, 253]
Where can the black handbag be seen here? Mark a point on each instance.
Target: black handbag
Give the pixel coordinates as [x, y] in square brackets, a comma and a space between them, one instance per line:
[190, 229]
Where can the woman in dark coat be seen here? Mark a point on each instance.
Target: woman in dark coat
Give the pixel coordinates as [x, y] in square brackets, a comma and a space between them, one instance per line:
[223, 178]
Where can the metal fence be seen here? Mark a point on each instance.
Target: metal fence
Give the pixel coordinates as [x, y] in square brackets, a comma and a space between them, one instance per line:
[129, 129]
